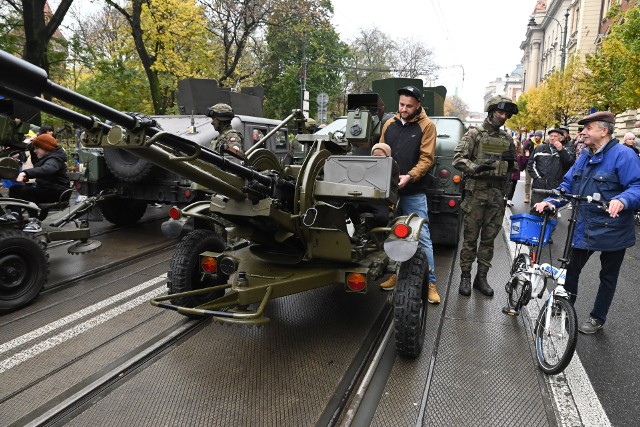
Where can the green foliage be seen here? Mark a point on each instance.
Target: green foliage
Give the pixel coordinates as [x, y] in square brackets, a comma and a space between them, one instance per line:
[614, 75]
[559, 100]
[11, 29]
[304, 26]
[118, 85]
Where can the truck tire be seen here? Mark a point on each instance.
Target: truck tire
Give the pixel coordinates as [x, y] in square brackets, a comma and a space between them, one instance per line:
[123, 211]
[24, 266]
[410, 305]
[184, 270]
[127, 167]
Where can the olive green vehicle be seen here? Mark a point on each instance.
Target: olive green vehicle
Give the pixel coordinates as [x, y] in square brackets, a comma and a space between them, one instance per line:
[267, 230]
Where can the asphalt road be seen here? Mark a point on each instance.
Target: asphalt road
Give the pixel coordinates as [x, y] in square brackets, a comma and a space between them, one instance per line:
[611, 357]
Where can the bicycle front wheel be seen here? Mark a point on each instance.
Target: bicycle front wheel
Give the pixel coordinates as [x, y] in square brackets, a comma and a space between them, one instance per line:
[556, 338]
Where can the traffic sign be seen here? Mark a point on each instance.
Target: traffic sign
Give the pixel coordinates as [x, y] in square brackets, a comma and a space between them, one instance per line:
[323, 99]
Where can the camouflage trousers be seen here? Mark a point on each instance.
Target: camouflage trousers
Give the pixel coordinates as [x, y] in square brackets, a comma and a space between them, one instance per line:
[483, 214]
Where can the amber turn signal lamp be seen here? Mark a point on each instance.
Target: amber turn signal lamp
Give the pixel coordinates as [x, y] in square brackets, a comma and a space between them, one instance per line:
[356, 282]
[209, 264]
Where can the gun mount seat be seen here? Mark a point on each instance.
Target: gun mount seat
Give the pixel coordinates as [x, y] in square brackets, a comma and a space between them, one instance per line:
[62, 203]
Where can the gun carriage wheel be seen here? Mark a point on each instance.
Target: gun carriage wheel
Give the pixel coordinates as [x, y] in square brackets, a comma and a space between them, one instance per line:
[23, 268]
[184, 271]
[123, 211]
[410, 305]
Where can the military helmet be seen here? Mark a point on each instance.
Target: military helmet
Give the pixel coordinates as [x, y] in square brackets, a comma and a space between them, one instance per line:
[221, 111]
[499, 102]
[310, 123]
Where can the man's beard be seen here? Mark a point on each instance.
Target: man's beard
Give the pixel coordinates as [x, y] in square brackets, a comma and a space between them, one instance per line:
[411, 116]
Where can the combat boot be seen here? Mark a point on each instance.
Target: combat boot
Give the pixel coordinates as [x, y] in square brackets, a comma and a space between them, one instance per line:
[465, 283]
[480, 283]
[390, 283]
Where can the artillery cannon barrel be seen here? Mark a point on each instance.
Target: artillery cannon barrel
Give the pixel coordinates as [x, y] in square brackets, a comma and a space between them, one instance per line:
[17, 75]
[51, 108]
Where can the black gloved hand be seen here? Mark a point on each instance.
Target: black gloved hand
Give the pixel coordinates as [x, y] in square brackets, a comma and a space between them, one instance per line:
[508, 156]
[486, 166]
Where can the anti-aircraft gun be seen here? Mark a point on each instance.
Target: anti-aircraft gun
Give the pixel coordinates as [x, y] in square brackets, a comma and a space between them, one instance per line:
[268, 230]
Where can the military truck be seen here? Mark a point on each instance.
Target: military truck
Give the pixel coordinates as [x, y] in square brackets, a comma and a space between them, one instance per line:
[288, 225]
[135, 183]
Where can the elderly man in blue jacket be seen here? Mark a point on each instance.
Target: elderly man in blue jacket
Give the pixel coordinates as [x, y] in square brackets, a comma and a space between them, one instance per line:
[612, 170]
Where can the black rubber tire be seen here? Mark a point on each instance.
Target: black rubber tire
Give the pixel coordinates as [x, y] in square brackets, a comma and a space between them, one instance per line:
[551, 354]
[515, 288]
[410, 305]
[24, 267]
[184, 269]
[123, 211]
[126, 166]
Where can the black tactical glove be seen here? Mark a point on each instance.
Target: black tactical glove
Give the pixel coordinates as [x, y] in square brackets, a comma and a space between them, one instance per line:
[486, 166]
[508, 156]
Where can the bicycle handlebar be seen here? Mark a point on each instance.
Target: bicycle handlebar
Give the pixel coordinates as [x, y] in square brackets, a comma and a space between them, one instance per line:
[595, 198]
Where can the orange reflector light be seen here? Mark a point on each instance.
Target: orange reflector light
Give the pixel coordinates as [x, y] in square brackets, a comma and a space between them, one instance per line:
[175, 213]
[208, 264]
[452, 203]
[402, 230]
[457, 179]
[356, 281]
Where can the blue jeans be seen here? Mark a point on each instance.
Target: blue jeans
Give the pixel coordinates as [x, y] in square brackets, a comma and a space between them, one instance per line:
[610, 263]
[417, 203]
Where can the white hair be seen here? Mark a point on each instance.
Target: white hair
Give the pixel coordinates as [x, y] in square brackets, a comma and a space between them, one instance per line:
[629, 135]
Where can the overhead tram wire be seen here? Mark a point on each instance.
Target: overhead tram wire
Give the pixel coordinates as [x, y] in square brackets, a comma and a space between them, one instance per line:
[437, 9]
[377, 70]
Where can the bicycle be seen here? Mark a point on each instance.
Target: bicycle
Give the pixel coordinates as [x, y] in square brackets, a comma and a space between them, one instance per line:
[556, 327]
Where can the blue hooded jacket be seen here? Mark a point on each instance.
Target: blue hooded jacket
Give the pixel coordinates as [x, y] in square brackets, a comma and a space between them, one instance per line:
[614, 173]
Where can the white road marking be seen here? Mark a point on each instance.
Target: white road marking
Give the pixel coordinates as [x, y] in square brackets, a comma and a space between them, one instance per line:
[16, 342]
[51, 342]
[574, 398]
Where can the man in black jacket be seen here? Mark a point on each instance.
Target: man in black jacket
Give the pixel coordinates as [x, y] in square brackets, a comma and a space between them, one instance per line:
[548, 164]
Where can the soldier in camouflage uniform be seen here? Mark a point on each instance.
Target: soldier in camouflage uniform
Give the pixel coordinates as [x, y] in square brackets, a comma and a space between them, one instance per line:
[228, 139]
[486, 156]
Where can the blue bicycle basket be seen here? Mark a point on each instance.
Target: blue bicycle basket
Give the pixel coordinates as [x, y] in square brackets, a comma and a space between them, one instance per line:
[525, 228]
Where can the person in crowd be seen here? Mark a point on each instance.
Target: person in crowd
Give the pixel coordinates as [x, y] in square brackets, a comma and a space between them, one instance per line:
[611, 170]
[548, 164]
[412, 138]
[49, 171]
[486, 155]
[528, 149]
[228, 140]
[629, 140]
[578, 143]
[515, 174]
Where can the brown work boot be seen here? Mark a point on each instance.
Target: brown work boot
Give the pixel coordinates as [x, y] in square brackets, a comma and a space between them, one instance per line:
[465, 283]
[480, 283]
[433, 296]
[389, 284]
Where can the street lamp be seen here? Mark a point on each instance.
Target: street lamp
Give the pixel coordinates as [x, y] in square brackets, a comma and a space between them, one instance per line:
[563, 51]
